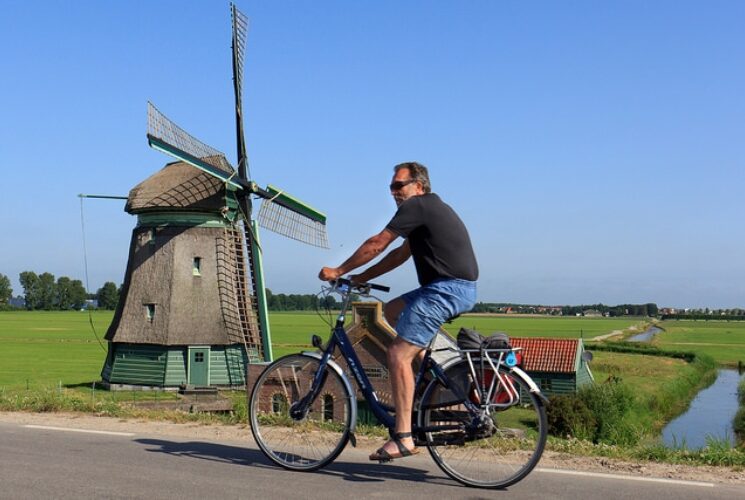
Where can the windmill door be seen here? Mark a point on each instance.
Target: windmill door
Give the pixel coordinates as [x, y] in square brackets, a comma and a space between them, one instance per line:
[199, 365]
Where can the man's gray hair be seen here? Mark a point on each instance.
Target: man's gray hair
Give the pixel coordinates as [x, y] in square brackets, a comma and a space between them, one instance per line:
[418, 172]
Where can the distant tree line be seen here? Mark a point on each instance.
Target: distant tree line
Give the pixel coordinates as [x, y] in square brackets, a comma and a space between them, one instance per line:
[299, 302]
[42, 292]
[706, 314]
[649, 309]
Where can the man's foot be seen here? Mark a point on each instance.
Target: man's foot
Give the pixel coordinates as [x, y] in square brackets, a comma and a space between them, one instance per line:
[395, 448]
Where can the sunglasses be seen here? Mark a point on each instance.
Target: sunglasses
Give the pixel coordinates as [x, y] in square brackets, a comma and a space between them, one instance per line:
[395, 186]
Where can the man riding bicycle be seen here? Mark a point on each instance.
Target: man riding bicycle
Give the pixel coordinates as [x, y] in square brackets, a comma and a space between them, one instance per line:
[447, 271]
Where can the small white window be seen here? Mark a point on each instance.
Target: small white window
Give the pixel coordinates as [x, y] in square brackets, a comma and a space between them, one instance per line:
[196, 267]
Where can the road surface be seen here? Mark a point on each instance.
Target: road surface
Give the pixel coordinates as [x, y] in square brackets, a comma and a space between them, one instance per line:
[73, 460]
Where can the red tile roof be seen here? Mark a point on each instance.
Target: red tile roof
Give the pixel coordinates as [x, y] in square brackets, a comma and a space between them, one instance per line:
[547, 355]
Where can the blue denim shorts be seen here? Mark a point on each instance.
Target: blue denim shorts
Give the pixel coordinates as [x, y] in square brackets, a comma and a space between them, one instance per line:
[428, 307]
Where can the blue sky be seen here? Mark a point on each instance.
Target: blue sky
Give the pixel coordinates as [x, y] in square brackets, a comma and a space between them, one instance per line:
[594, 149]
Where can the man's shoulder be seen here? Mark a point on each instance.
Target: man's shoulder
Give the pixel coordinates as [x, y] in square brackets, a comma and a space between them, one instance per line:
[427, 199]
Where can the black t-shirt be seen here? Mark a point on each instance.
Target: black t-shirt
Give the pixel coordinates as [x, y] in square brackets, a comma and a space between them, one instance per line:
[437, 237]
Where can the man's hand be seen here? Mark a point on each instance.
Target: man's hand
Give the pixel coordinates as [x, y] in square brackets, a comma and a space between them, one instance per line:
[329, 273]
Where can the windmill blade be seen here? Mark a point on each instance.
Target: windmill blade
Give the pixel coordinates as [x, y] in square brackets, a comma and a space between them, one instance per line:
[288, 216]
[167, 137]
[240, 33]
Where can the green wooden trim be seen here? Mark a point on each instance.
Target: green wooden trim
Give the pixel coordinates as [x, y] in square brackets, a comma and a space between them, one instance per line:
[263, 310]
[161, 366]
[296, 204]
[168, 149]
[188, 219]
[137, 364]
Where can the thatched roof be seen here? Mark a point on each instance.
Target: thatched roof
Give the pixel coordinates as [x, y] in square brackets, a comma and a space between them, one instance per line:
[179, 186]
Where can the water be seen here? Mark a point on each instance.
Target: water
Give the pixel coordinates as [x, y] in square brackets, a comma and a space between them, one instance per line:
[710, 414]
[646, 335]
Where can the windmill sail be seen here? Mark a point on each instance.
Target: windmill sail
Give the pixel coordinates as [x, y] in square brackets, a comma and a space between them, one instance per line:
[283, 214]
[240, 30]
[167, 137]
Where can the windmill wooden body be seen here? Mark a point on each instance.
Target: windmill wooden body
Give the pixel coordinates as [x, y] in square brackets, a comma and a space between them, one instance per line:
[193, 308]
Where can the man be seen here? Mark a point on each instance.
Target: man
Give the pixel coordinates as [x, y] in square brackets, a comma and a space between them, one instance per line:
[447, 271]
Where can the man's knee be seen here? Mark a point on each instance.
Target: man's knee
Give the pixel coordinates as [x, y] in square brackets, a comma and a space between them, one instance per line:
[402, 353]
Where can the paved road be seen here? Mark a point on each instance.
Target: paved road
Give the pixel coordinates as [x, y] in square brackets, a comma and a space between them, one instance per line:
[39, 462]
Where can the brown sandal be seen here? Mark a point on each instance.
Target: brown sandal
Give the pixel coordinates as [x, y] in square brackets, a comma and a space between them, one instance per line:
[382, 455]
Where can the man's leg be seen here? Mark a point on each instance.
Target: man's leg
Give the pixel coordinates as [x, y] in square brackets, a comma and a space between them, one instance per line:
[392, 310]
[400, 356]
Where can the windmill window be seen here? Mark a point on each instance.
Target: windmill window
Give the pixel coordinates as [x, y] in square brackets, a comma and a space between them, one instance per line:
[279, 403]
[150, 312]
[328, 407]
[196, 268]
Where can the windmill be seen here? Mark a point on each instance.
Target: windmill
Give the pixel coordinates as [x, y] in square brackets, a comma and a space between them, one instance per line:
[200, 209]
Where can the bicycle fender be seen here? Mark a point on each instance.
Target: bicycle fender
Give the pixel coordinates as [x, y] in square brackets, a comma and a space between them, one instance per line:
[334, 366]
[533, 386]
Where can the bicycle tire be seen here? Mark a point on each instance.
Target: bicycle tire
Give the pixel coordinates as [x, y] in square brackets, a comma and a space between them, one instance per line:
[306, 442]
[495, 461]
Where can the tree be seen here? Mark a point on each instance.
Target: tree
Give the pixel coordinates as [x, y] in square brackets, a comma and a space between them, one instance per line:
[108, 296]
[47, 292]
[70, 293]
[6, 292]
[78, 295]
[30, 283]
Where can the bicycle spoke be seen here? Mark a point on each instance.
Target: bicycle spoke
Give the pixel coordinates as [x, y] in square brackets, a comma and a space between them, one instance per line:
[305, 439]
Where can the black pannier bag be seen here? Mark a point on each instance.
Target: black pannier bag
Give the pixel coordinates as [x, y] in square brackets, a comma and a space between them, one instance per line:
[471, 339]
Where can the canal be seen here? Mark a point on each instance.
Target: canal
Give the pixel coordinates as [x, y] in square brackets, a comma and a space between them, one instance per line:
[711, 412]
[709, 416]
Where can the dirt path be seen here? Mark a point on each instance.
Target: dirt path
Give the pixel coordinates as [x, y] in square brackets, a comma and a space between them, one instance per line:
[243, 433]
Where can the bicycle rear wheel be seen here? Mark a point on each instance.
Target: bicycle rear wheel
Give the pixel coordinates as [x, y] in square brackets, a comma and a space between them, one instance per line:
[293, 435]
[500, 451]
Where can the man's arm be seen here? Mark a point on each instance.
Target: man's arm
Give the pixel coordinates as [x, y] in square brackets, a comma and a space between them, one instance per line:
[391, 261]
[370, 249]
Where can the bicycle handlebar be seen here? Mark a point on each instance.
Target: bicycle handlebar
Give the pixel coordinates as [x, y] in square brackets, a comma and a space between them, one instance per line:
[360, 287]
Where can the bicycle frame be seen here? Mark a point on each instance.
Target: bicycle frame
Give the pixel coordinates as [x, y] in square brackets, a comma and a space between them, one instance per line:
[381, 411]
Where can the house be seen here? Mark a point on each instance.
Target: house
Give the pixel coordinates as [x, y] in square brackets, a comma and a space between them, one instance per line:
[558, 366]
[592, 313]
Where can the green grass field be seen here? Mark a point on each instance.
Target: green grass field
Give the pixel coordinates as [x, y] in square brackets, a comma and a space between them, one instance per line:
[542, 326]
[48, 348]
[722, 340]
[291, 331]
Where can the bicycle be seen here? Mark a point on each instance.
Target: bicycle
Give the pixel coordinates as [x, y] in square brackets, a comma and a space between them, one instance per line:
[481, 417]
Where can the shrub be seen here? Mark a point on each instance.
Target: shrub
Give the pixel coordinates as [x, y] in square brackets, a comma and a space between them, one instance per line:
[568, 416]
[610, 403]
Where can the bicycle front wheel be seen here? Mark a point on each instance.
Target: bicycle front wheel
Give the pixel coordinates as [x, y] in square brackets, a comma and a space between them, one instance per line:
[293, 429]
[494, 448]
